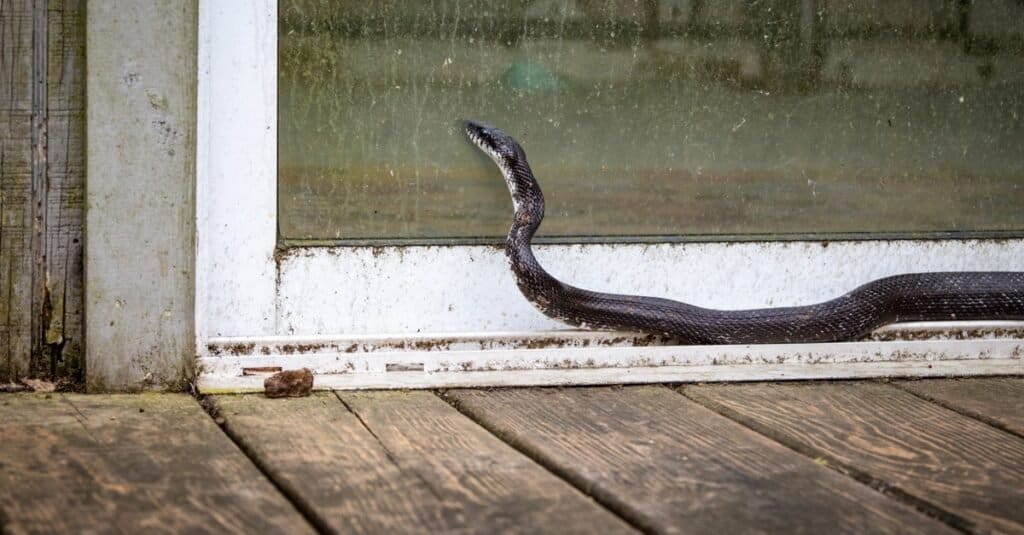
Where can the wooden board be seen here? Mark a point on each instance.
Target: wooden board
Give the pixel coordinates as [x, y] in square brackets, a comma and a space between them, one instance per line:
[15, 188]
[62, 327]
[965, 471]
[670, 465]
[128, 464]
[386, 462]
[141, 247]
[42, 180]
[997, 401]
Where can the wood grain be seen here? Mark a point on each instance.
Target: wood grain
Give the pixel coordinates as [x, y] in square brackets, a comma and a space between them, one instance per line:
[129, 464]
[672, 466]
[15, 188]
[388, 462]
[62, 324]
[997, 401]
[968, 471]
[41, 209]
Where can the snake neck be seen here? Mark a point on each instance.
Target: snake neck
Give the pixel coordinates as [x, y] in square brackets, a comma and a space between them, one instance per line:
[518, 247]
[539, 287]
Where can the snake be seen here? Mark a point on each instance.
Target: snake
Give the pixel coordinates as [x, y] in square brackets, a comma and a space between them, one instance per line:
[932, 296]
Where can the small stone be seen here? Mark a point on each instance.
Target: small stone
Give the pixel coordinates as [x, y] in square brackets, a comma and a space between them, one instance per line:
[289, 384]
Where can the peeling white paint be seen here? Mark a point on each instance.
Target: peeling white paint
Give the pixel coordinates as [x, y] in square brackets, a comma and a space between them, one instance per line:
[214, 383]
[408, 290]
[583, 357]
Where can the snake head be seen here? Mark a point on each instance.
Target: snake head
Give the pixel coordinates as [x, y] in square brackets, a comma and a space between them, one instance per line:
[495, 143]
[511, 160]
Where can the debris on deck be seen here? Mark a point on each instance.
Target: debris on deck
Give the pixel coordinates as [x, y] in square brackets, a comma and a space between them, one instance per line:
[289, 384]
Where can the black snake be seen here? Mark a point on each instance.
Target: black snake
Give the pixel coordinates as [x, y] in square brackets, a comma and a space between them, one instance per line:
[907, 297]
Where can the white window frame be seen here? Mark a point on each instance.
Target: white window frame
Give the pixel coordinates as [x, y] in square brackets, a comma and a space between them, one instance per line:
[438, 316]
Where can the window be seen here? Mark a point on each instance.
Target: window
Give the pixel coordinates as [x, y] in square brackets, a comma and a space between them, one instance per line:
[774, 141]
[653, 119]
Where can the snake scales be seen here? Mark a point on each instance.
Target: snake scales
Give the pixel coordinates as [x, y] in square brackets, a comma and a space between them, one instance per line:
[907, 297]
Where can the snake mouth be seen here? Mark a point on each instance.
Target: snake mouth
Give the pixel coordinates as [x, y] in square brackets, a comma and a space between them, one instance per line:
[477, 132]
[489, 139]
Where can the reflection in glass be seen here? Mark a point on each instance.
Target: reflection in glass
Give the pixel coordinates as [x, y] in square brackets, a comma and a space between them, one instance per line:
[653, 118]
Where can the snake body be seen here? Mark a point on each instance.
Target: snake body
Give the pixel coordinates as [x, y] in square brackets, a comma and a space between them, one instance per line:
[908, 297]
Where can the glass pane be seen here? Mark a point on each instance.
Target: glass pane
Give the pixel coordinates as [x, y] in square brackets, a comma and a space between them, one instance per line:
[653, 118]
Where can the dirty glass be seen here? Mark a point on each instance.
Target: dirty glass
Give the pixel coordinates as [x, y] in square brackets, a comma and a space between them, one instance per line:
[653, 119]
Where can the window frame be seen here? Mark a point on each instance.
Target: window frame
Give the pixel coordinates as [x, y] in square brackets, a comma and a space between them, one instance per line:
[379, 316]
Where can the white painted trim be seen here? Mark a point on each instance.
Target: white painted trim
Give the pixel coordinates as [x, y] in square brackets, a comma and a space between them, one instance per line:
[236, 168]
[212, 384]
[584, 357]
[468, 361]
[434, 289]
[246, 295]
[566, 338]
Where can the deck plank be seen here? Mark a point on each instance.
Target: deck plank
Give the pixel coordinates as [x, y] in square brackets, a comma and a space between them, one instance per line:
[384, 462]
[972, 472]
[672, 466]
[998, 401]
[128, 463]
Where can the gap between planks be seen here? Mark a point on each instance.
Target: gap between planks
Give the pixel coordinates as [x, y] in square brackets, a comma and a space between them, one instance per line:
[944, 467]
[880, 484]
[304, 508]
[120, 462]
[865, 478]
[695, 468]
[996, 401]
[404, 461]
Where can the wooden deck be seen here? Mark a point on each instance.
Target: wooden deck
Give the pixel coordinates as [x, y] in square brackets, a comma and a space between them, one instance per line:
[933, 456]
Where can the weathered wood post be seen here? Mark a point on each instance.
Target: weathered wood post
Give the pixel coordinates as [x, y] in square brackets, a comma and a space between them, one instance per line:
[140, 216]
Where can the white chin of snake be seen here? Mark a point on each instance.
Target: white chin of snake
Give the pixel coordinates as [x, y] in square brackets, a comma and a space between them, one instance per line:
[505, 171]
